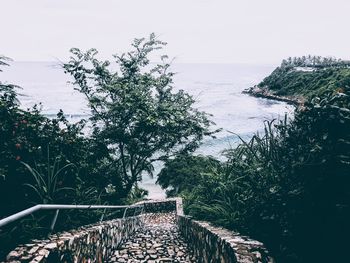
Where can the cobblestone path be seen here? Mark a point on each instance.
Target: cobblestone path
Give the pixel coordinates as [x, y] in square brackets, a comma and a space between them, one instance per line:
[159, 241]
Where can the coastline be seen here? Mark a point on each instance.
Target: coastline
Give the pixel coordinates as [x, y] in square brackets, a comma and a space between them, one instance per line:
[258, 92]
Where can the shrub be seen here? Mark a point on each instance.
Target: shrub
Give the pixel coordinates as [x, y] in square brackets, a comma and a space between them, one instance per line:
[183, 172]
[289, 187]
[26, 136]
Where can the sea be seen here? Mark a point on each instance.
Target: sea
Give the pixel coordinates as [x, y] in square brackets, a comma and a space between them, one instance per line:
[216, 88]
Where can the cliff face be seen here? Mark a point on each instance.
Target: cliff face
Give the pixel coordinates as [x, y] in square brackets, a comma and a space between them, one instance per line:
[269, 94]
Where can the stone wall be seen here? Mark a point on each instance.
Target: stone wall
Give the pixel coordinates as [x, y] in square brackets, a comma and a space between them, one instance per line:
[218, 245]
[92, 243]
[95, 243]
[163, 206]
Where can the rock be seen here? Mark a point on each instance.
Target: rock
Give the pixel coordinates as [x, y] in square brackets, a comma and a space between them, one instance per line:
[37, 259]
[151, 251]
[180, 254]
[51, 246]
[13, 255]
[44, 252]
[166, 260]
[157, 245]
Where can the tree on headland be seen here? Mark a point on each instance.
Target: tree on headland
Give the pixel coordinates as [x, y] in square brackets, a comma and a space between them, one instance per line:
[135, 113]
[307, 77]
[314, 62]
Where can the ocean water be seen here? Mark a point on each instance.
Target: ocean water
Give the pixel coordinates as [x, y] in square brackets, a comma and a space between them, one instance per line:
[217, 89]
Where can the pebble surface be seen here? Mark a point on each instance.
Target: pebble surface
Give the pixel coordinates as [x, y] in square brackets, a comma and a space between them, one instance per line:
[158, 241]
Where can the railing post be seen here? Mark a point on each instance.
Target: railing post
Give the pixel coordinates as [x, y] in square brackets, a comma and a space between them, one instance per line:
[126, 209]
[142, 209]
[141, 213]
[54, 220]
[103, 214]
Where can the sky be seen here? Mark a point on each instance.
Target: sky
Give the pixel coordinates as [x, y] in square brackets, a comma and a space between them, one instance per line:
[197, 31]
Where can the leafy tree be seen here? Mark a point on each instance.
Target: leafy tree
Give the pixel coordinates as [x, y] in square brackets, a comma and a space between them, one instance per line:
[136, 115]
[183, 172]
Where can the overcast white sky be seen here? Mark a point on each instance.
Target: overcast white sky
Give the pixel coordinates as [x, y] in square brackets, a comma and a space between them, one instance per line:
[213, 31]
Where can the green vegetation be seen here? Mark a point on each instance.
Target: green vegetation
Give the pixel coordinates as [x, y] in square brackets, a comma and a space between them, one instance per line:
[289, 187]
[136, 115]
[28, 174]
[136, 119]
[307, 77]
[183, 172]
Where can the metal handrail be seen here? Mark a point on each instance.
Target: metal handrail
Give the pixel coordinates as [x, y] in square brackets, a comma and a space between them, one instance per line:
[35, 208]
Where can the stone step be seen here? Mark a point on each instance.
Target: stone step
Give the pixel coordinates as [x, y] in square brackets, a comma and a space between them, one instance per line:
[158, 241]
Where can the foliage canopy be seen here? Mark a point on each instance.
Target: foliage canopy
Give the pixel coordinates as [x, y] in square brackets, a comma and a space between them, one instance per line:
[288, 187]
[308, 77]
[136, 114]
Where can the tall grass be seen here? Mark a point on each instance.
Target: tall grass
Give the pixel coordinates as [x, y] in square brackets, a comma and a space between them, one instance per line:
[288, 186]
[47, 185]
